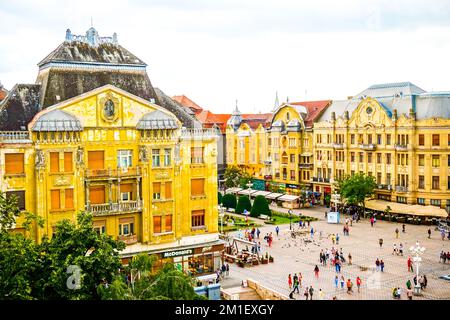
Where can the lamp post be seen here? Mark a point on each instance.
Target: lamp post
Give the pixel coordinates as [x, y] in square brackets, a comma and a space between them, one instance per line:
[221, 214]
[290, 219]
[417, 250]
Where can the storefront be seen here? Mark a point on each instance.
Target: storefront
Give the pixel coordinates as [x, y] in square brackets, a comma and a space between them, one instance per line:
[259, 184]
[194, 261]
[293, 189]
[277, 187]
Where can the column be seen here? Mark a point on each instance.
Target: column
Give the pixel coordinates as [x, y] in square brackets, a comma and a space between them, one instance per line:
[88, 202]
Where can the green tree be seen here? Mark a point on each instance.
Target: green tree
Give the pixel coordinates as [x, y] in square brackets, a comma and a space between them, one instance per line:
[243, 204]
[232, 175]
[355, 189]
[9, 211]
[229, 201]
[96, 255]
[260, 207]
[219, 197]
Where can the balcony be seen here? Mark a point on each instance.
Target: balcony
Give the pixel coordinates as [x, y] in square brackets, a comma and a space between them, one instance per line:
[104, 209]
[387, 187]
[112, 173]
[15, 137]
[401, 189]
[401, 147]
[338, 146]
[268, 162]
[128, 239]
[305, 165]
[367, 146]
[199, 134]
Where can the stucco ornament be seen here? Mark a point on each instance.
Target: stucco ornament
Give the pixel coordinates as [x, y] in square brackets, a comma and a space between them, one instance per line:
[143, 154]
[80, 157]
[109, 107]
[39, 159]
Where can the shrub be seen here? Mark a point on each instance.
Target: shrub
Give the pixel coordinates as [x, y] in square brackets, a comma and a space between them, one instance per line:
[260, 207]
[243, 204]
[219, 197]
[229, 201]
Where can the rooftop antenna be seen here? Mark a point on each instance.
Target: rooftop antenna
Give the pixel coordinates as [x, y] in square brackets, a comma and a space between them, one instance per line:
[92, 23]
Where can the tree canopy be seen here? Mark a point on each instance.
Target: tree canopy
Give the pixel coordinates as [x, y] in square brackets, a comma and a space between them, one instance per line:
[243, 204]
[260, 207]
[355, 189]
[229, 201]
[236, 177]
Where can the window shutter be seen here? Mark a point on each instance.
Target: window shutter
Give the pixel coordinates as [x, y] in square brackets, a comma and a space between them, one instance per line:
[14, 163]
[54, 161]
[156, 187]
[96, 160]
[197, 187]
[68, 162]
[55, 199]
[156, 224]
[168, 191]
[68, 198]
[126, 187]
[97, 195]
[168, 223]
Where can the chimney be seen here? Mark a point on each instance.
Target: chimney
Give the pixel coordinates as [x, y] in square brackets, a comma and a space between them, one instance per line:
[346, 115]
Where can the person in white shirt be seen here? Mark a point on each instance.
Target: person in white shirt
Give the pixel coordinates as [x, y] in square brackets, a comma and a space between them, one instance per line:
[395, 249]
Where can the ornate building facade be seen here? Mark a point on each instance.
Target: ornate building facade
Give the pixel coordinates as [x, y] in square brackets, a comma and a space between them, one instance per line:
[121, 156]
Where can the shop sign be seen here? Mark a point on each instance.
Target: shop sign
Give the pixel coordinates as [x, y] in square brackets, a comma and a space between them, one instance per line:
[292, 186]
[259, 184]
[268, 177]
[204, 249]
[171, 254]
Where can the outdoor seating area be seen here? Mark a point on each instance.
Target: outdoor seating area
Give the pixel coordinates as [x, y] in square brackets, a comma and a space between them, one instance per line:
[246, 256]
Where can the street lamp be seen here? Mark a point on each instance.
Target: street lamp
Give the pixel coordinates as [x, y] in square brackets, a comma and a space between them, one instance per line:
[221, 214]
[290, 219]
[417, 250]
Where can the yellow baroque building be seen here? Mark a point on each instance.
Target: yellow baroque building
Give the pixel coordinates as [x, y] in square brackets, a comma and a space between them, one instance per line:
[147, 175]
[397, 133]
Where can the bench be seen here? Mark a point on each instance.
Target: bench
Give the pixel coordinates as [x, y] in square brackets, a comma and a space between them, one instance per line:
[264, 217]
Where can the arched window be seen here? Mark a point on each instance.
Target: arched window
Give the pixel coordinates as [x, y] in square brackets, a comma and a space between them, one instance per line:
[288, 116]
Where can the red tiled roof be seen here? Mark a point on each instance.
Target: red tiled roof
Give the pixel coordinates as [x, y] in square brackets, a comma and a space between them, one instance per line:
[208, 119]
[3, 94]
[255, 119]
[315, 109]
[186, 102]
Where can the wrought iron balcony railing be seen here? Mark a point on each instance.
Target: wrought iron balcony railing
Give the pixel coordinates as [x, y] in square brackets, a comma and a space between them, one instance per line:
[115, 208]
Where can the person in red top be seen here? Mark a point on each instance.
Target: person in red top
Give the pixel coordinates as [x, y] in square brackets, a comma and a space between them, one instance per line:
[290, 281]
[410, 267]
[358, 282]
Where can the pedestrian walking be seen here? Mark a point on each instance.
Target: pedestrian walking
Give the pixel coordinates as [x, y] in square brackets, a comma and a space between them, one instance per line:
[311, 291]
[320, 294]
[409, 293]
[349, 259]
[336, 281]
[394, 250]
[382, 265]
[409, 263]
[408, 284]
[403, 228]
[290, 281]
[316, 271]
[228, 269]
[349, 286]
[400, 249]
[396, 232]
[380, 243]
[377, 264]
[306, 293]
[296, 284]
[300, 279]
[429, 233]
[358, 283]
[258, 232]
[342, 282]
[312, 233]
[443, 234]
[337, 238]
[277, 230]
[371, 221]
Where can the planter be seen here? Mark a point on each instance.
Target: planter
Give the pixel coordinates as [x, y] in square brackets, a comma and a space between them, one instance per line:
[255, 262]
[264, 261]
[240, 264]
[271, 259]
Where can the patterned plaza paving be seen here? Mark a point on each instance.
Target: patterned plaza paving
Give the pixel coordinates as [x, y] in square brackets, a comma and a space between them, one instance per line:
[294, 256]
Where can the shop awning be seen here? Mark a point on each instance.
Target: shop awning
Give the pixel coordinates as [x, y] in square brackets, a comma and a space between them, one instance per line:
[401, 208]
[261, 193]
[233, 190]
[247, 191]
[273, 195]
[288, 198]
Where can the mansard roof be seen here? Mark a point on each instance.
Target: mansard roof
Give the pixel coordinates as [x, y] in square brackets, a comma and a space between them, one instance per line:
[57, 120]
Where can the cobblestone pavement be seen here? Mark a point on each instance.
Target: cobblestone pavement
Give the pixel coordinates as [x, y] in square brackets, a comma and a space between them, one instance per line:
[295, 255]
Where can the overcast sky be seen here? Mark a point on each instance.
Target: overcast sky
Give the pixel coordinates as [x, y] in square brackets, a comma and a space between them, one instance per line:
[215, 52]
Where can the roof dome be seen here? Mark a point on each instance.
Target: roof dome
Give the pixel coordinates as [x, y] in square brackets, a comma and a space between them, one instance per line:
[156, 120]
[57, 120]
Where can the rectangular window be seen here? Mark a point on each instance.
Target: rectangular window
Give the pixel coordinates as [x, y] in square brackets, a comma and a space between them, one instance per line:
[292, 158]
[378, 157]
[435, 183]
[20, 196]
[155, 158]
[435, 202]
[14, 163]
[435, 161]
[198, 218]
[421, 140]
[388, 178]
[352, 157]
[168, 190]
[388, 139]
[352, 139]
[361, 157]
[369, 157]
[68, 197]
[369, 139]
[126, 227]
[96, 160]
[448, 138]
[421, 160]
[55, 199]
[124, 158]
[97, 194]
[157, 224]
[421, 201]
[435, 140]
[100, 227]
[421, 182]
[197, 187]
[68, 167]
[448, 182]
[168, 221]
[156, 190]
[378, 177]
[126, 191]
[401, 199]
[388, 158]
[196, 154]
[54, 161]
[378, 138]
[167, 157]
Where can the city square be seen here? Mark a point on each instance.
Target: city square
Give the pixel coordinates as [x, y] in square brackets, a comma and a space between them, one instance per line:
[293, 256]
